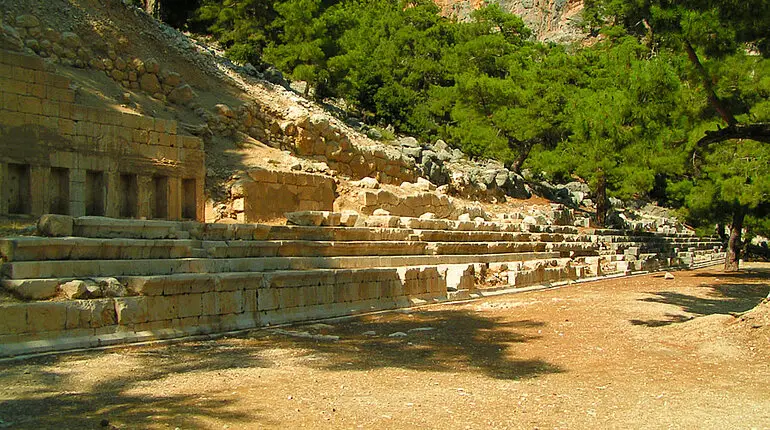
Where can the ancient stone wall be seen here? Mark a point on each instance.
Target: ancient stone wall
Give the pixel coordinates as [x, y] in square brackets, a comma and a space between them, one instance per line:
[268, 194]
[62, 157]
[123, 280]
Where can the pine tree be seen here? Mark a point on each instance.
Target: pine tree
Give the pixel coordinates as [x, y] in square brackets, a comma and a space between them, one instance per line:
[709, 33]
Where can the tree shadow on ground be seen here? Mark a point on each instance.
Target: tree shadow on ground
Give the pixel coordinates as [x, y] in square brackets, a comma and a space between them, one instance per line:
[434, 341]
[47, 394]
[719, 298]
[50, 392]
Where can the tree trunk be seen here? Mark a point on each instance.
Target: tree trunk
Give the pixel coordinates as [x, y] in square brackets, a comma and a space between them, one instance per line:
[715, 102]
[602, 203]
[734, 242]
[524, 151]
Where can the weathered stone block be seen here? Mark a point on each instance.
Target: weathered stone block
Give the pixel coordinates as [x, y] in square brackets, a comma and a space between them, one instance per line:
[230, 302]
[162, 307]
[268, 299]
[13, 318]
[33, 289]
[46, 316]
[189, 305]
[306, 218]
[131, 310]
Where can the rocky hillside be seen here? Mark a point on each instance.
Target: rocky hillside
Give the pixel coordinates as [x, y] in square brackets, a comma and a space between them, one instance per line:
[551, 20]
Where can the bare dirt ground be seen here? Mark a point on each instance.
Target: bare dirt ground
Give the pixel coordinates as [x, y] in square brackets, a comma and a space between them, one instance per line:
[639, 352]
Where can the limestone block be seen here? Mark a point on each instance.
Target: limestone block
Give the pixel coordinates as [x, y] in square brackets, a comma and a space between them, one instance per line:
[13, 318]
[189, 305]
[161, 308]
[250, 302]
[331, 219]
[46, 316]
[290, 297]
[306, 218]
[268, 299]
[76, 289]
[210, 304]
[230, 302]
[383, 221]
[55, 225]
[32, 289]
[94, 313]
[348, 218]
[131, 310]
[239, 281]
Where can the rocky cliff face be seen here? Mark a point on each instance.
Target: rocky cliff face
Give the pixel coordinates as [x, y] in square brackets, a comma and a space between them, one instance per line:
[551, 20]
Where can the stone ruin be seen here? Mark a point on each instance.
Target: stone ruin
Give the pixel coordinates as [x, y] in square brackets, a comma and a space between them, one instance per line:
[64, 158]
[122, 253]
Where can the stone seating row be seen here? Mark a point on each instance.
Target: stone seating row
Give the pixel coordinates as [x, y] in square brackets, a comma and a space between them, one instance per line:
[68, 269]
[103, 227]
[259, 275]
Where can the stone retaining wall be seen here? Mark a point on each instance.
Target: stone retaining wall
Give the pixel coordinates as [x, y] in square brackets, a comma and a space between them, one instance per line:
[268, 194]
[133, 280]
[62, 157]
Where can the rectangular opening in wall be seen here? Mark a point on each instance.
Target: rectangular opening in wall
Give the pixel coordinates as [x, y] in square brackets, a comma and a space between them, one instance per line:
[129, 192]
[159, 202]
[19, 193]
[95, 192]
[189, 205]
[60, 191]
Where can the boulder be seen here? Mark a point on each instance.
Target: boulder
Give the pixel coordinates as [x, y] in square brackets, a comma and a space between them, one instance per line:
[441, 146]
[10, 38]
[171, 78]
[380, 212]
[415, 153]
[150, 84]
[367, 183]
[182, 94]
[409, 142]
[374, 134]
[152, 66]
[52, 225]
[577, 187]
[111, 287]
[71, 40]
[74, 289]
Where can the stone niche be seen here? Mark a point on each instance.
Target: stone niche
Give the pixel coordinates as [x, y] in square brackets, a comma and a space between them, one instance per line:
[57, 156]
[267, 194]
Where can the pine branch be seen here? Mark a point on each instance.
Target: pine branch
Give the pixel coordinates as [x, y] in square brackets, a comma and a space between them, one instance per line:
[759, 132]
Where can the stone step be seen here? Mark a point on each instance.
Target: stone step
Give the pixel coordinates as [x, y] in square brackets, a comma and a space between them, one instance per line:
[489, 236]
[304, 248]
[77, 248]
[104, 227]
[446, 248]
[661, 246]
[19, 270]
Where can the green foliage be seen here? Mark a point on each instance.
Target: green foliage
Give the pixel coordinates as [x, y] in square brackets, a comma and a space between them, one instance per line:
[621, 114]
[624, 114]
[242, 26]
